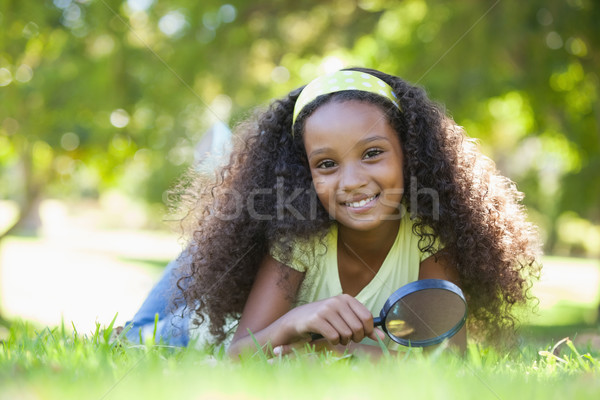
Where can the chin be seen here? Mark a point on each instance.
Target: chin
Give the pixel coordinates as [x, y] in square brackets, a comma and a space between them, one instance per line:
[366, 223]
[361, 225]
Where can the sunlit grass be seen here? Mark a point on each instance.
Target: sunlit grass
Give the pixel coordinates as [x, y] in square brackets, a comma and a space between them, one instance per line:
[568, 292]
[62, 363]
[67, 361]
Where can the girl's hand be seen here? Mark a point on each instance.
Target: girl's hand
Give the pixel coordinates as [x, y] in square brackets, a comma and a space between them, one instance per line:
[340, 320]
[269, 315]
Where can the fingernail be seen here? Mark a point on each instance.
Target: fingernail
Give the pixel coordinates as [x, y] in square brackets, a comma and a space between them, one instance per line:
[277, 350]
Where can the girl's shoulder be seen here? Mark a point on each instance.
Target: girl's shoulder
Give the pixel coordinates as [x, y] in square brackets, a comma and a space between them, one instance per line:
[302, 253]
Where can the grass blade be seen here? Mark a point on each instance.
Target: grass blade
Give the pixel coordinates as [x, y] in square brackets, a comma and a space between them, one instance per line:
[259, 349]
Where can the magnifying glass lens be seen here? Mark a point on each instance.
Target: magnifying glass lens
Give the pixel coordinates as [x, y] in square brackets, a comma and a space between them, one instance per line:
[398, 327]
[424, 315]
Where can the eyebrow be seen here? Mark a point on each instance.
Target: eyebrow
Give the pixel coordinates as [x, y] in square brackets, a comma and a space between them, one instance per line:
[363, 141]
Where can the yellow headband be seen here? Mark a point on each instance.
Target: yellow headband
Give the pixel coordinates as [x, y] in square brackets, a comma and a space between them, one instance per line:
[340, 81]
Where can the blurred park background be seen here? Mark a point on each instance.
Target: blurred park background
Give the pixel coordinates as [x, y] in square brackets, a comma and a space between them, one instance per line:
[102, 104]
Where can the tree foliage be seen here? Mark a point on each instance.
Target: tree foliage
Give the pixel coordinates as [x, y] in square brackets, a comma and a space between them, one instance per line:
[108, 93]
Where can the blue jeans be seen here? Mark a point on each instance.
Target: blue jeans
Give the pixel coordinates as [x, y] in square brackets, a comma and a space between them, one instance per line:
[173, 319]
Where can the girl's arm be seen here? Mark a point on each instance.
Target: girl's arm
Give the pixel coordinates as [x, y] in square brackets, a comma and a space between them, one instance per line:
[438, 267]
[270, 298]
[434, 267]
[268, 313]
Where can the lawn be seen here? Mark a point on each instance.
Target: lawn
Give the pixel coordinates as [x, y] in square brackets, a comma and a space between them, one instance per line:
[60, 364]
[62, 361]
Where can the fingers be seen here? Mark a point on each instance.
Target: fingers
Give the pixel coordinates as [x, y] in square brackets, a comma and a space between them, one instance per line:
[377, 333]
[341, 330]
[355, 327]
[347, 320]
[331, 327]
[338, 319]
[364, 317]
[289, 348]
[286, 349]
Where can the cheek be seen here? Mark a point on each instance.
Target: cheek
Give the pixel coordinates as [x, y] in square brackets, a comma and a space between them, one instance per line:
[392, 180]
[396, 174]
[401, 181]
[321, 188]
[324, 192]
[399, 188]
[319, 181]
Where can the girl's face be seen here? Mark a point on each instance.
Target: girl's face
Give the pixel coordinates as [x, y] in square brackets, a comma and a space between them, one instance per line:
[355, 159]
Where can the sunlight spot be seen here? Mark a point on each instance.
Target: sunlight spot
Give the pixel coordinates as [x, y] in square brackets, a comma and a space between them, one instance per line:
[331, 64]
[120, 142]
[9, 212]
[227, 12]
[72, 13]
[553, 40]
[24, 73]
[140, 5]
[280, 74]
[102, 45]
[5, 77]
[64, 165]
[69, 141]
[172, 23]
[31, 30]
[544, 17]
[211, 20]
[62, 4]
[10, 125]
[119, 118]
[577, 47]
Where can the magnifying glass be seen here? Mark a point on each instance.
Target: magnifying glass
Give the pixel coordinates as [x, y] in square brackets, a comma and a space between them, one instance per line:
[422, 313]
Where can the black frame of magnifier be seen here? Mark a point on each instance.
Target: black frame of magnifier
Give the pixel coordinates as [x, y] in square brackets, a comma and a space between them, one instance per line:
[417, 286]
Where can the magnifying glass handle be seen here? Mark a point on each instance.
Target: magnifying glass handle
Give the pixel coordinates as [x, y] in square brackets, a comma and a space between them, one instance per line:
[377, 321]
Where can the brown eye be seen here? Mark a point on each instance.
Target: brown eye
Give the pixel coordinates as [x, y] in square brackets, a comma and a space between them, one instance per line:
[373, 153]
[326, 164]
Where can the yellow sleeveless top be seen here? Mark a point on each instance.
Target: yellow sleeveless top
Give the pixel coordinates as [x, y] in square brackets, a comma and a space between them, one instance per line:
[321, 280]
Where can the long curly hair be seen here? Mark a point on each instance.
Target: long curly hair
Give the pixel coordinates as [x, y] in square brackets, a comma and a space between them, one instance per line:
[264, 197]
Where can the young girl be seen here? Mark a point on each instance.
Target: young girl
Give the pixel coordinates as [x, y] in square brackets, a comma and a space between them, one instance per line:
[339, 194]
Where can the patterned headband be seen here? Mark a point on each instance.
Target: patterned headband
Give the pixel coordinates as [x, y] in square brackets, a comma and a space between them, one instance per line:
[340, 81]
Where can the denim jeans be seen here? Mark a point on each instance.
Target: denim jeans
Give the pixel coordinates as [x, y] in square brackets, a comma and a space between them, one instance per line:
[173, 318]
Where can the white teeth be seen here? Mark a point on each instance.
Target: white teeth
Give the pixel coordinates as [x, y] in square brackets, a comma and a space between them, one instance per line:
[357, 204]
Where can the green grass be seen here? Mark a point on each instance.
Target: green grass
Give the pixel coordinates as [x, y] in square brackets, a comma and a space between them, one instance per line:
[61, 363]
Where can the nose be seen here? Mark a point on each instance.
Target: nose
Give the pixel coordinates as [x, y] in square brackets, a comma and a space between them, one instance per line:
[352, 177]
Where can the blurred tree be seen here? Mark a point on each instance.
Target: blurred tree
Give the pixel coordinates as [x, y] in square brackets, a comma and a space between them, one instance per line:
[112, 93]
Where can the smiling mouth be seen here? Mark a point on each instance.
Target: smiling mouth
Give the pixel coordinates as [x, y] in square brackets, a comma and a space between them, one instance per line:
[361, 203]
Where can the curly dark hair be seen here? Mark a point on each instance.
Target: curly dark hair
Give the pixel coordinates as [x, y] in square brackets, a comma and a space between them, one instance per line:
[238, 216]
